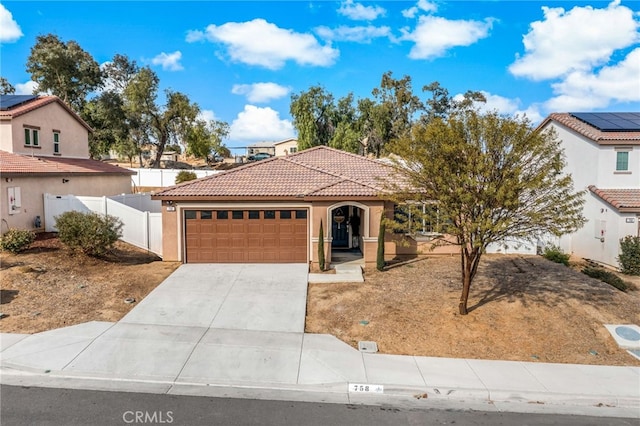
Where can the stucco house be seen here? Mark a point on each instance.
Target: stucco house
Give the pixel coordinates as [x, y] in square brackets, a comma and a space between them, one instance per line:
[603, 157]
[277, 149]
[270, 211]
[44, 148]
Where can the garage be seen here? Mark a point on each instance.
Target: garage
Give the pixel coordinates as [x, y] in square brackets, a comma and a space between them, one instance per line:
[246, 236]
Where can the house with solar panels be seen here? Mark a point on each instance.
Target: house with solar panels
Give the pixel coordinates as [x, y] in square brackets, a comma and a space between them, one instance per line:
[44, 148]
[603, 157]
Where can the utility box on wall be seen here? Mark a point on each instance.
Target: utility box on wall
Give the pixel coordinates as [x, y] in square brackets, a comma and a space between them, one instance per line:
[15, 199]
[601, 229]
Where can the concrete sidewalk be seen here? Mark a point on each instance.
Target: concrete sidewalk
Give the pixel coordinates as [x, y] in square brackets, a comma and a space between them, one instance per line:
[238, 332]
[298, 366]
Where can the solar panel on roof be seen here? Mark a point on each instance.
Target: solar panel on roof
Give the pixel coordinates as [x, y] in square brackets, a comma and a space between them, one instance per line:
[611, 121]
[10, 101]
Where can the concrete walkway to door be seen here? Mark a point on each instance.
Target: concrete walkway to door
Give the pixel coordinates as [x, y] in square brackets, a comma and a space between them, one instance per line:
[261, 297]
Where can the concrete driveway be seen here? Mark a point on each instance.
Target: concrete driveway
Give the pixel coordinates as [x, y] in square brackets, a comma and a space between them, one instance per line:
[261, 297]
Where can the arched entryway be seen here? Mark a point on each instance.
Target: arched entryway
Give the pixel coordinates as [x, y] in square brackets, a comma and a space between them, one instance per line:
[347, 231]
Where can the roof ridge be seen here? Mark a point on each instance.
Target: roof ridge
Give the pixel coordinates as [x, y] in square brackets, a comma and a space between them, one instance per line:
[329, 172]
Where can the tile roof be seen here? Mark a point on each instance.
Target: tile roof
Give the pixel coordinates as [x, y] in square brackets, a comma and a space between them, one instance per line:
[17, 164]
[624, 200]
[317, 172]
[597, 135]
[39, 102]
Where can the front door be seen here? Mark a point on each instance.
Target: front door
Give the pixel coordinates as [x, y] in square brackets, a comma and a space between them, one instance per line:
[339, 227]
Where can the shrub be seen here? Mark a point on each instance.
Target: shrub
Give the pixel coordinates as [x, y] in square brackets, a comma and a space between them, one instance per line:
[607, 277]
[185, 176]
[555, 254]
[17, 240]
[380, 263]
[91, 233]
[629, 258]
[321, 259]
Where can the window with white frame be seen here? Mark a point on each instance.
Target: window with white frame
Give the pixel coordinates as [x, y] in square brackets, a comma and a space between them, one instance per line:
[56, 142]
[31, 136]
[622, 159]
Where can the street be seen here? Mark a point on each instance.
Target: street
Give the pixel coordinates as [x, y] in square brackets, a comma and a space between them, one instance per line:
[47, 406]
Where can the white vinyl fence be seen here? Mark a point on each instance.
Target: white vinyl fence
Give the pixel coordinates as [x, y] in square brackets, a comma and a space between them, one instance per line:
[162, 178]
[142, 227]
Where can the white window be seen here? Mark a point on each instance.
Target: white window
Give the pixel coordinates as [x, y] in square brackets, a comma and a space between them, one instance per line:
[31, 137]
[56, 142]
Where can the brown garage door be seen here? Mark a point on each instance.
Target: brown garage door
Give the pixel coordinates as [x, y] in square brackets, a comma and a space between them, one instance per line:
[246, 236]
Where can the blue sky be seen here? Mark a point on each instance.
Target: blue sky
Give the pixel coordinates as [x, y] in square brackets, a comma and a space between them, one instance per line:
[242, 60]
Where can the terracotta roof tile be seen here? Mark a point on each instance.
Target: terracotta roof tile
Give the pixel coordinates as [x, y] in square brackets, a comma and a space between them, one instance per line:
[316, 172]
[597, 135]
[39, 102]
[17, 164]
[624, 200]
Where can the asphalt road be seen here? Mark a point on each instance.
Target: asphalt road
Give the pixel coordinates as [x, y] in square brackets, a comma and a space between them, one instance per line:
[47, 406]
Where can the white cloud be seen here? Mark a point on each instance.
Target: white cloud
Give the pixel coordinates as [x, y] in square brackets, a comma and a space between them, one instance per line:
[261, 43]
[360, 12]
[27, 88]
[260, 92]
[195, 35]
[422, 5]
[259, 124]
[169, 61]
[358, 34]
[9, 29]
[433, 35]
[582, 90]
[207, 115]
[577, 40]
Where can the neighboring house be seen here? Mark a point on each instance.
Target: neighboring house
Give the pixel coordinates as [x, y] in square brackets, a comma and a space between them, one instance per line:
[259, 147]
[44, 148]
[277, 149]
[603, 157]
[286, 147]
[270, 211]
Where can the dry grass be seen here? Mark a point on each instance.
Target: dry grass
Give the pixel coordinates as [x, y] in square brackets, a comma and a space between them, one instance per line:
[521, 308]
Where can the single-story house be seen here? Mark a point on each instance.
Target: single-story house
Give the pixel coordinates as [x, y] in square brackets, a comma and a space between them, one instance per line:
[271, 211]
[44, 148]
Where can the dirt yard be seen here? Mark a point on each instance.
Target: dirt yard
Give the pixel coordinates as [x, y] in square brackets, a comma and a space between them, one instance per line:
[521, 308]
[49, 287]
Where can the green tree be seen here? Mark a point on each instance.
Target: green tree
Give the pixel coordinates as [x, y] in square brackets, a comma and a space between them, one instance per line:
[113, 128]
[493, 179]
[313, 114]
[5, 87]
[158, 125]
[64, 69]
[205, 139]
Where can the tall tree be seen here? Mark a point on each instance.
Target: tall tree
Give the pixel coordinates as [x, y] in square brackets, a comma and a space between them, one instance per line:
[313, 113]
[6, 88]
[492, 178]
[159, 125]
[64, 69]
[205, 139]
[441, 104]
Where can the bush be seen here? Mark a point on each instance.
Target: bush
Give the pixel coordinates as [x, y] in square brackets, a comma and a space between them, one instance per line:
[185, 176]
[17, 240]
[321, 258]
[607, 277]
[91, 233]
[555, 254]
[380, 263]
[629, 258]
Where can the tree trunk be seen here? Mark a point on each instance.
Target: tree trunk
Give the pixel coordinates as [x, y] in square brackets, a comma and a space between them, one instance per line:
[470, 261]
[466, 284]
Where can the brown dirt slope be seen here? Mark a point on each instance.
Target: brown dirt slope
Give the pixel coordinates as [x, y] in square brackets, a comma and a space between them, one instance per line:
[522, 308]
[49, 287]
